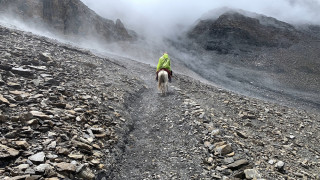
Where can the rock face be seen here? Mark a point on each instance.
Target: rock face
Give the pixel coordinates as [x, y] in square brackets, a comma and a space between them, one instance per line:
[232, 30]
[69, 17]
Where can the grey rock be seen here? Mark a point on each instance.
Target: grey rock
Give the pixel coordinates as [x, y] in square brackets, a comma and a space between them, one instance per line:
[228, 160]
[46, 57]
[52, 145]
[38, 157]
[238, 164]
[86, 173]
[7, 152]
[63, 166]
[14, 85]
[23, 167]
[3, 118]
[82, 146]
[252, 174]
[40, 115]
[42, 168]
[22, 144]
[22, 72]
[3, 100]
[280, 166]
[30, 171]
[223, 150]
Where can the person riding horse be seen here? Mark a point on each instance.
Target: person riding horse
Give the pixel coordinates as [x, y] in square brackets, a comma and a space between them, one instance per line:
[164, 64]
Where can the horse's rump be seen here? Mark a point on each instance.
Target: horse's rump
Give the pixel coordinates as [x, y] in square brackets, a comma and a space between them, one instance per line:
[163, 81]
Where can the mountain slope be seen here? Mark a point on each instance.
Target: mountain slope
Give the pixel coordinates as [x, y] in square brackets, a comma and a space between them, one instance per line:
[69, 17]
[249, 53]
[66, 113]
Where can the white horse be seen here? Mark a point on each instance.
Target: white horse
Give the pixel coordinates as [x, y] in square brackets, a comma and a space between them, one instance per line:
[163, 81]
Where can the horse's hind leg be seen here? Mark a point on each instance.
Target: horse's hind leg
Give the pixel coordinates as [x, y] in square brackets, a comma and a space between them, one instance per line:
[167, 87]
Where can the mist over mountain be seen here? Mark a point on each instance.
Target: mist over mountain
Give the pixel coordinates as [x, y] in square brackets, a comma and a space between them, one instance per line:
[67, 17]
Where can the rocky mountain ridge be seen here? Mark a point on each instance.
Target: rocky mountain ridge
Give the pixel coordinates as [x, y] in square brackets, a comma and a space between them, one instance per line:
[233, 31]
[67, 17]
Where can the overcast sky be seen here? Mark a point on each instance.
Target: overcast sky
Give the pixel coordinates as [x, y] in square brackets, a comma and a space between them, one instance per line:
[159, 16]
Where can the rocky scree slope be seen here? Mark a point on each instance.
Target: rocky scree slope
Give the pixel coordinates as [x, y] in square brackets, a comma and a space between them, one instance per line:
[60, 108]
[65, 114]
[67, 17]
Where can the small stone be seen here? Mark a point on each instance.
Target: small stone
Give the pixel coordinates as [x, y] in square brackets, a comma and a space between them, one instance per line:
[29, 171]
[40, 115]
[51, 156]
[102, 135]
[46, 57]
[23, 167]
[20, 177]
[53, 178]
[6, 152]
[22, 144]
[97, 130]
[230, 154]
[223, 150]
[228, 160]
[241, 134]
[63, 151]
[271, 161]
[280, 166]
[95, 161]
[215, 176]
[201, 115]
[76, 156]
[83, 146]
[66, 167]
[37, 158]
[52, 145]
[33, 122]
[292, 137]
[3, 118]
[78, 118]
[252, 174]
[4, 100]
[79, 110]
[207, 144]
[101, 166]
[96, 146]
[86, 173]
[215, 132]
[22, 72]
[238, 164]
[25, 117]
[42, 167]
[51, 134]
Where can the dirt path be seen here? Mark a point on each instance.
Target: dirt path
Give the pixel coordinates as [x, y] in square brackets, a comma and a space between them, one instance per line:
[161, 144]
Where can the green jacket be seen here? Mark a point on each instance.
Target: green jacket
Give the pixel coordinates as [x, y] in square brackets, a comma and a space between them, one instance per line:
[164, 62]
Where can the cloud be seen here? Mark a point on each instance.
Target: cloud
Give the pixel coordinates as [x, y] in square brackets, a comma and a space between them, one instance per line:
[155, 18]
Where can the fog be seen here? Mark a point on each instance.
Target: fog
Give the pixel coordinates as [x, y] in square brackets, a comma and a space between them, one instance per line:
[156, 18]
